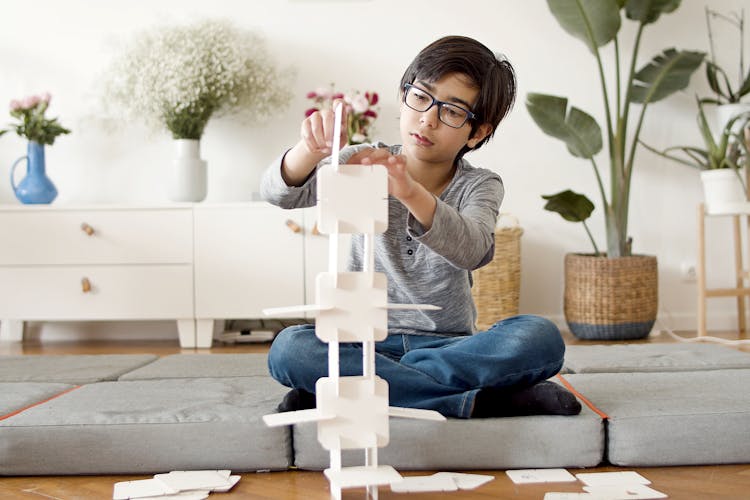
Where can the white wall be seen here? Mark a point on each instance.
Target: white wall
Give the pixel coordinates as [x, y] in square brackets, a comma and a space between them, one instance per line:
[60, 46]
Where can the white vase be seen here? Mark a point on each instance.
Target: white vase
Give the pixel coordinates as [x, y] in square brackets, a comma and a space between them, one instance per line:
[188, 177]
[723, 191]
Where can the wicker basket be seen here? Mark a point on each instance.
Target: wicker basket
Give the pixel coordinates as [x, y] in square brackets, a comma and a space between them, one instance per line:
[610, 299]
[497, 285]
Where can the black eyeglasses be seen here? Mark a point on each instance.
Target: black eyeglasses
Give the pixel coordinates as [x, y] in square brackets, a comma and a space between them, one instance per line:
[451, 114]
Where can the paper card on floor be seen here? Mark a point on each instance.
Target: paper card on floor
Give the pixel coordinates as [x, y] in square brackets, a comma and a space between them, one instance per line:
[223, 489]
[522, 476]
[195, 480]
[413, 484]
[564, 495]
[141, 489]
[467, 481]
[624, 478]
[632, 491]
[183, 495]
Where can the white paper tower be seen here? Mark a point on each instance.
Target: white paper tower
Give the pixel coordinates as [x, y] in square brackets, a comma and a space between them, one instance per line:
[352, 412]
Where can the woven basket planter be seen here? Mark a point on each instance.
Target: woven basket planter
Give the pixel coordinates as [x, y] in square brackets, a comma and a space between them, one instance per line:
[610, 299]
[497, 285]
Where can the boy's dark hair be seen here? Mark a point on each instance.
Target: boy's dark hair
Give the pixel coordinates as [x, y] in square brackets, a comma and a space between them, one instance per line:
[493, 76]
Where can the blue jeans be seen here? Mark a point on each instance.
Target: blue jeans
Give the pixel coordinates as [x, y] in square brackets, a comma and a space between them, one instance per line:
[435, 372]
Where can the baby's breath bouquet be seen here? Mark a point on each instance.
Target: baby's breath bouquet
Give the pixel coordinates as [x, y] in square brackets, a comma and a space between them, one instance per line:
[179, 77]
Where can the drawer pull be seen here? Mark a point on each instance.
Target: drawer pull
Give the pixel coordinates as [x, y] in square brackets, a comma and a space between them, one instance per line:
[293, 226]
[85, 285]
[87, 229]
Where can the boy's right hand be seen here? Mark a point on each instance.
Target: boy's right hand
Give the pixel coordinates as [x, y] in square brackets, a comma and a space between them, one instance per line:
[316, 144]
[317, 130]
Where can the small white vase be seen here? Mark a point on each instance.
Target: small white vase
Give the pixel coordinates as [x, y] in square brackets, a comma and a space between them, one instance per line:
[723, 191]
[188, 177]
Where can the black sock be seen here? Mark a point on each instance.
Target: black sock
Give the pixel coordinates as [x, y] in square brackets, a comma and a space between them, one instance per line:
[544, 398]
[297, 399]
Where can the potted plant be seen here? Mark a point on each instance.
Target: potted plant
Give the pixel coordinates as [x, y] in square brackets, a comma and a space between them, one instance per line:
[727, 95]
[719, 160]
[179, 77]
[612, 295]
[40, 131]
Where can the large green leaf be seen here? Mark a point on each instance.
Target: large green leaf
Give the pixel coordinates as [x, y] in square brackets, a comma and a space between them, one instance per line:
[577, 129]
[571, 206]
[648, 11]
[596, 22]
[665, 74]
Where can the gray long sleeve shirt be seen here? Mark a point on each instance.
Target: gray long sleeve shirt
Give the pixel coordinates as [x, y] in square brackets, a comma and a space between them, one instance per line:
[422, 267]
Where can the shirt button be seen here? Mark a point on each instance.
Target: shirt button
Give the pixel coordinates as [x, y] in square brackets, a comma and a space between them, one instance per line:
[410, 251]
[408, 238]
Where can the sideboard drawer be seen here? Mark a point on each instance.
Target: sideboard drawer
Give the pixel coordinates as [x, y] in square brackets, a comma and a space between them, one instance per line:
[149, 236]
[96, 292]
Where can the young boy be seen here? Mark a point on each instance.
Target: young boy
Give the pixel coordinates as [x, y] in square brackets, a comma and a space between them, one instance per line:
[442, 214]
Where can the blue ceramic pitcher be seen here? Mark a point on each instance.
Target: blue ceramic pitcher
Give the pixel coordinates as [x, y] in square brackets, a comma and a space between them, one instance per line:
[36, 187]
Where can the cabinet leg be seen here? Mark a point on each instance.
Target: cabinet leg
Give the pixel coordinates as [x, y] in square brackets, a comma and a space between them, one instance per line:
[204, 333]
[11, 330]
[186, 330]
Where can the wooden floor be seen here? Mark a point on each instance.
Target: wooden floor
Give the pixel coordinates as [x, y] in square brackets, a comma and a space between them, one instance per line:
[723, 482]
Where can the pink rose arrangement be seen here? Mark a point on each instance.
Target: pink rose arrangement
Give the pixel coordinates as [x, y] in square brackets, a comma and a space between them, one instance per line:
[360, 107]
[32, 124]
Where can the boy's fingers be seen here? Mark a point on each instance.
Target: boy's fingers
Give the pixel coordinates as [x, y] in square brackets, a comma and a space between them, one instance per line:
[313, 133]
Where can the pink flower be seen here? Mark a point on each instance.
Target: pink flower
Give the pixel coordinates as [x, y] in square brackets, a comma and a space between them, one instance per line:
[372, 97]
[311, 95]
[310, 111]
[15, 105]
[370, 114]
[29, 101]
[45, 97]
[360, 103]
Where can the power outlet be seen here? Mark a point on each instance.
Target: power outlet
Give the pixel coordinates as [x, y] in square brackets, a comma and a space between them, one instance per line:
[688, 272]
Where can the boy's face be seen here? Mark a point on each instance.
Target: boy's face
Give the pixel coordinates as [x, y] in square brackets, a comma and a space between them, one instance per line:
[424, 136]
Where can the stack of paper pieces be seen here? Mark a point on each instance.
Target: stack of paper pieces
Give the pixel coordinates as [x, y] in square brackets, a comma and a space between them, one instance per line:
[442, 481]
[598, 485]
[182, 485]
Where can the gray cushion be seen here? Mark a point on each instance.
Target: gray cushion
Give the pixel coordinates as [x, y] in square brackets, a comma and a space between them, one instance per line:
[489, 443]
[144, 427]
[652, 358]
[70, 369]
[202, 366]
[17, 395]
[684, 418]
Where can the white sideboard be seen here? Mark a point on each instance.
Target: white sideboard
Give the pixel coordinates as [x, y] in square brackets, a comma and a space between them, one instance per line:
[193, 263]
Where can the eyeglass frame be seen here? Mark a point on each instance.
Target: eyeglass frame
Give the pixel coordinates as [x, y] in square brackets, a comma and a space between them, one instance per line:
[470, 115]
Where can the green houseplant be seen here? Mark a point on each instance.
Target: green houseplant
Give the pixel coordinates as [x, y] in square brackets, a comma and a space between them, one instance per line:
[597, 23]
[719, 160]
[718, 79]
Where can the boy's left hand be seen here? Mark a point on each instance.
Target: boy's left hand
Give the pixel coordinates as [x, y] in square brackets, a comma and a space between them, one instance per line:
[400, 183]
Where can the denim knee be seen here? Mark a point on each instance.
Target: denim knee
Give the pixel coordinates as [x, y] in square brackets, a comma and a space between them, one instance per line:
[541, 336]
[290, 348]
[548, 337]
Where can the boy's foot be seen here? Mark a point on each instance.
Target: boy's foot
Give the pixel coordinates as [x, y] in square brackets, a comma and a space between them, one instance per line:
[544, 398]
[297, 399]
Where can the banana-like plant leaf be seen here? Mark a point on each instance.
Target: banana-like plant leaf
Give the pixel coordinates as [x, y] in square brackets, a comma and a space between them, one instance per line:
[571, 206]
[665, 74]
[595, 22]
[648, 11]
[580, 132]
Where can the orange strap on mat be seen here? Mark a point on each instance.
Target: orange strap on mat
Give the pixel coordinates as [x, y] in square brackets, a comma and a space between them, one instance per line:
[3, 417]
[582, 397]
